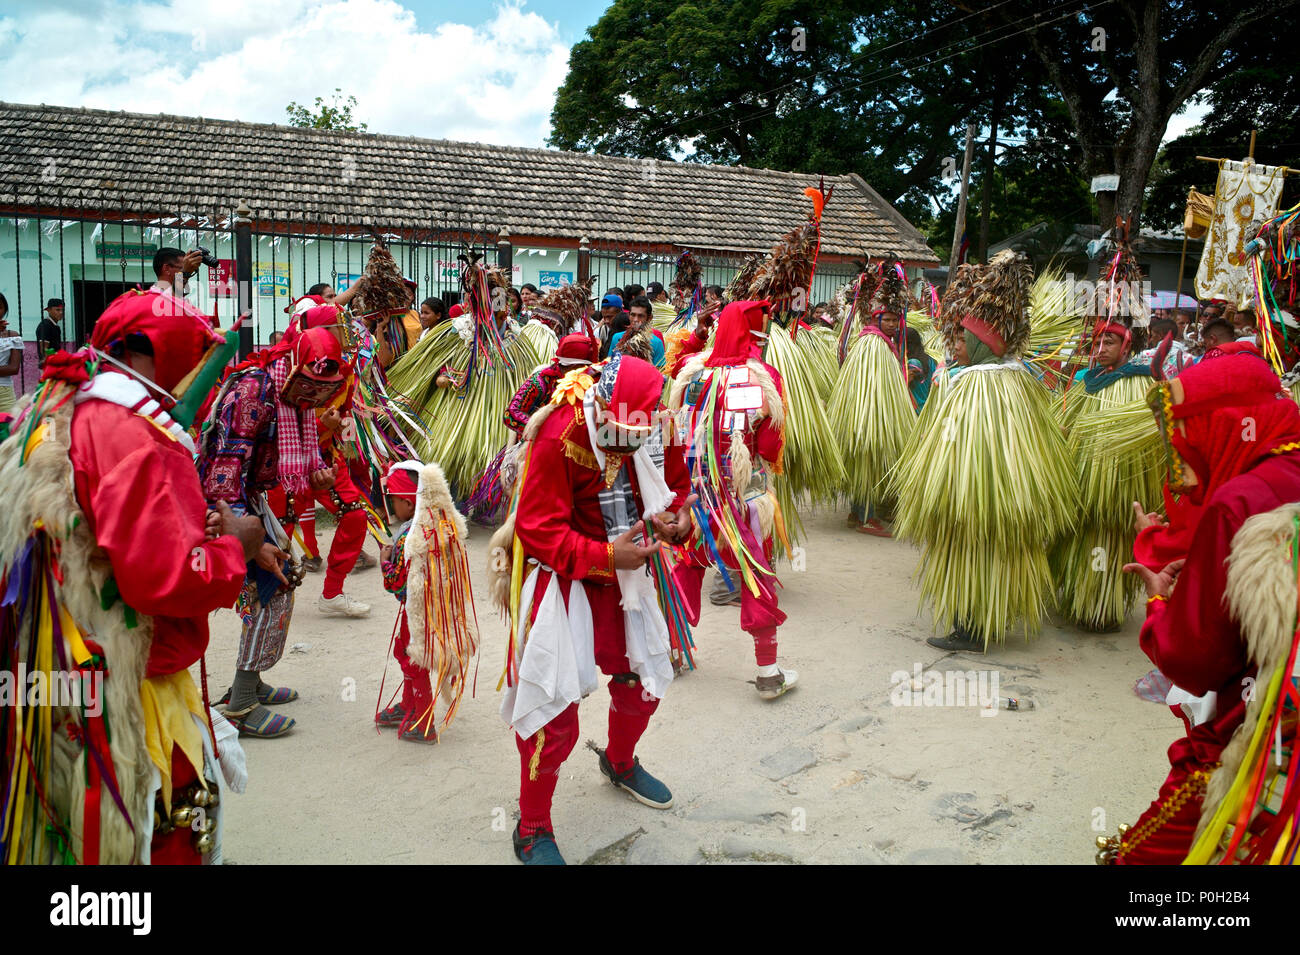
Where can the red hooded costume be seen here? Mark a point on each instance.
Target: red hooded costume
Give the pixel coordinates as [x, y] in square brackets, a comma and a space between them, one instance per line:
[1240, 438]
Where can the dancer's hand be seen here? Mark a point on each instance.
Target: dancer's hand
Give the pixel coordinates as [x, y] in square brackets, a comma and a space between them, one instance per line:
[680, 527]
[1143, 519]
[322, 480]
[1158, 585]
[247, 530]
[628, 554]
[331, 420]
[269, 557]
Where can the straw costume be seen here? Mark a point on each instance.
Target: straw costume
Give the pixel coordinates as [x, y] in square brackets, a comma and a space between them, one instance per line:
[870, 411]
[984, 483]
[110, 576]
[462, 376]
[1225, 632]
[426, 569]
[732, 413]
[1117, 457]
[570, 565]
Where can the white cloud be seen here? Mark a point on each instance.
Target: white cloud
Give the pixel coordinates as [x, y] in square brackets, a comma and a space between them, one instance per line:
[247, 59]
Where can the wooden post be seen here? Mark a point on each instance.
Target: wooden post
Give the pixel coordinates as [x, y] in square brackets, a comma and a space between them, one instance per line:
[960, 225]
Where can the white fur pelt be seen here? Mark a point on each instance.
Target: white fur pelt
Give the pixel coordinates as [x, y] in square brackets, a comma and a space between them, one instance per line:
[42, 490]
[433, 507]
[500, 562]
[1261, 597]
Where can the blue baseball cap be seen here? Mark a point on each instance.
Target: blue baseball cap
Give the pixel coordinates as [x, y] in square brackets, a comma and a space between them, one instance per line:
[611, 301]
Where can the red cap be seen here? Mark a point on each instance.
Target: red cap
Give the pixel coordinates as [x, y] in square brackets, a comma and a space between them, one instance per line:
[455, 311]
[178, 332]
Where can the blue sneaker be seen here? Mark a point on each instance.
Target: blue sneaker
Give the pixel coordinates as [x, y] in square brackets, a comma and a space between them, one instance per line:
[537, 849]
[639, 784]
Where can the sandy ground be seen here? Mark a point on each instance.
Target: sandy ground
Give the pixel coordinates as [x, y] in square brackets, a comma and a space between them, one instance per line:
[832, 772]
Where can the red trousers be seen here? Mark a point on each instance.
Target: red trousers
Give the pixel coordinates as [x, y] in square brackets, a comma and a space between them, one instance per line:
[759, 615]
[629, 714]
[177, 847]
[349, 535]
[417, 694]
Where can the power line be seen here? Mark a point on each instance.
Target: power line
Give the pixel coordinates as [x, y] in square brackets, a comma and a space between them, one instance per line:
[930, 58]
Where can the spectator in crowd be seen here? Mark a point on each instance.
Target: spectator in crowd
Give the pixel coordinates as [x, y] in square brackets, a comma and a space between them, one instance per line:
[528, 292]
[275, 339]
[1245, 326]
[1217, 331]
[49, 333]
[11, 359]
[1177, 358]
[515, 306]
[173, 268]
[639, 324]
[613, 330]
[610, 307]
[433, 311]
[713, 295]
[632, 292]
[660, 306]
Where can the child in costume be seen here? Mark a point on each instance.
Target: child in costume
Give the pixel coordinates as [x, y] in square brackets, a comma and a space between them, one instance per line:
[426, 569]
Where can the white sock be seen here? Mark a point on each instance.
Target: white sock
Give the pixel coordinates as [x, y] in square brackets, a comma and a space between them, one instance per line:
[770, 670]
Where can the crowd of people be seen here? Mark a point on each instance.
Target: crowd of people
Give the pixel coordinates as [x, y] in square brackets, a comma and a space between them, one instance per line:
[620, 446]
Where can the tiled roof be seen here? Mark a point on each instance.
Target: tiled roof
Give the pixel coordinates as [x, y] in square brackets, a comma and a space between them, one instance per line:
[97, 159]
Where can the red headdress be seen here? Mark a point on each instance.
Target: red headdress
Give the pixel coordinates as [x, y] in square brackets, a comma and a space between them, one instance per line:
[178, 333]
[739, 326]
[403, 479]
[631, 390]
[577, 349]
[1233, 414]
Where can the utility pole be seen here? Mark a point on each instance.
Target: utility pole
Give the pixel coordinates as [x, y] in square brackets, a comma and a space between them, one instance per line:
[960, 225]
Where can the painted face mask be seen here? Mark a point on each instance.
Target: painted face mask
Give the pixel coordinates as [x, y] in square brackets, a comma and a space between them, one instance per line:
[316, 374]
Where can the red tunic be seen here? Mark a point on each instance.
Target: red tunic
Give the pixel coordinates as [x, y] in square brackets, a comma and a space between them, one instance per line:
[558, 519]
[140, 493]
[1194, 641]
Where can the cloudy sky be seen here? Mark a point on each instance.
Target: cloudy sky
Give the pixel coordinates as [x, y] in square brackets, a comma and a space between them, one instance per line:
[442, 69]
[482, 72]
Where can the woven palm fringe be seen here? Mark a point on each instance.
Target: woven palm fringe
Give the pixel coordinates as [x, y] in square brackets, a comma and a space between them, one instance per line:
[811, 463]
[1118, 458]
[871, 418]
[984, 485]
[465, 426]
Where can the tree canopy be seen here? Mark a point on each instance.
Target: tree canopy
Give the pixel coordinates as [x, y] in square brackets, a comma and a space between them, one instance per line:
[885, 90]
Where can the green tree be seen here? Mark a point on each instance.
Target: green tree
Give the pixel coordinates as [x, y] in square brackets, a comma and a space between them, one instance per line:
[1263, 98]
[1124, 67]
[331, 115]
[880, 89]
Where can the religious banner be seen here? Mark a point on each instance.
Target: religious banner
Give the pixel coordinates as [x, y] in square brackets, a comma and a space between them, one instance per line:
[1245, 193]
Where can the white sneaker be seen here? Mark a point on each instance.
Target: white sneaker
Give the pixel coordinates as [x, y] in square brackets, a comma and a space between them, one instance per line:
[342, 606]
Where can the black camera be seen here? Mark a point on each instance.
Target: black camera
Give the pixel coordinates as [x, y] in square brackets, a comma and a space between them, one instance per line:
[208, 258]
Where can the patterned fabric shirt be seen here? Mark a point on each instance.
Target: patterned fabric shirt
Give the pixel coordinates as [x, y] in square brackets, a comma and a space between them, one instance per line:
[239, 457]
[394, 568]
[532, 394]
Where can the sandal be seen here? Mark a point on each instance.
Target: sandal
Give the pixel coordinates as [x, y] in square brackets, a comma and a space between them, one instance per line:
[393, 716]
[268, 695]
[873, 527]
[260, 722]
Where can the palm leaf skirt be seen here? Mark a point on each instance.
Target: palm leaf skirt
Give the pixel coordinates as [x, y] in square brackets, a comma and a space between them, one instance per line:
[1118, 457]
[984, 485]
[465, 426]
[871, 417]
[811, 461]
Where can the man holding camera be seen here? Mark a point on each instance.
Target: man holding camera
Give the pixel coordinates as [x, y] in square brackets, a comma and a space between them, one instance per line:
[174, 268]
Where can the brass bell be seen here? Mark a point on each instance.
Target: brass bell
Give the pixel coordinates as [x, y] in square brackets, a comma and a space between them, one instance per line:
[1103, 842]
[1124, 827]
[181, 816]
[205, 797]
[205, 843]
[209, 826]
